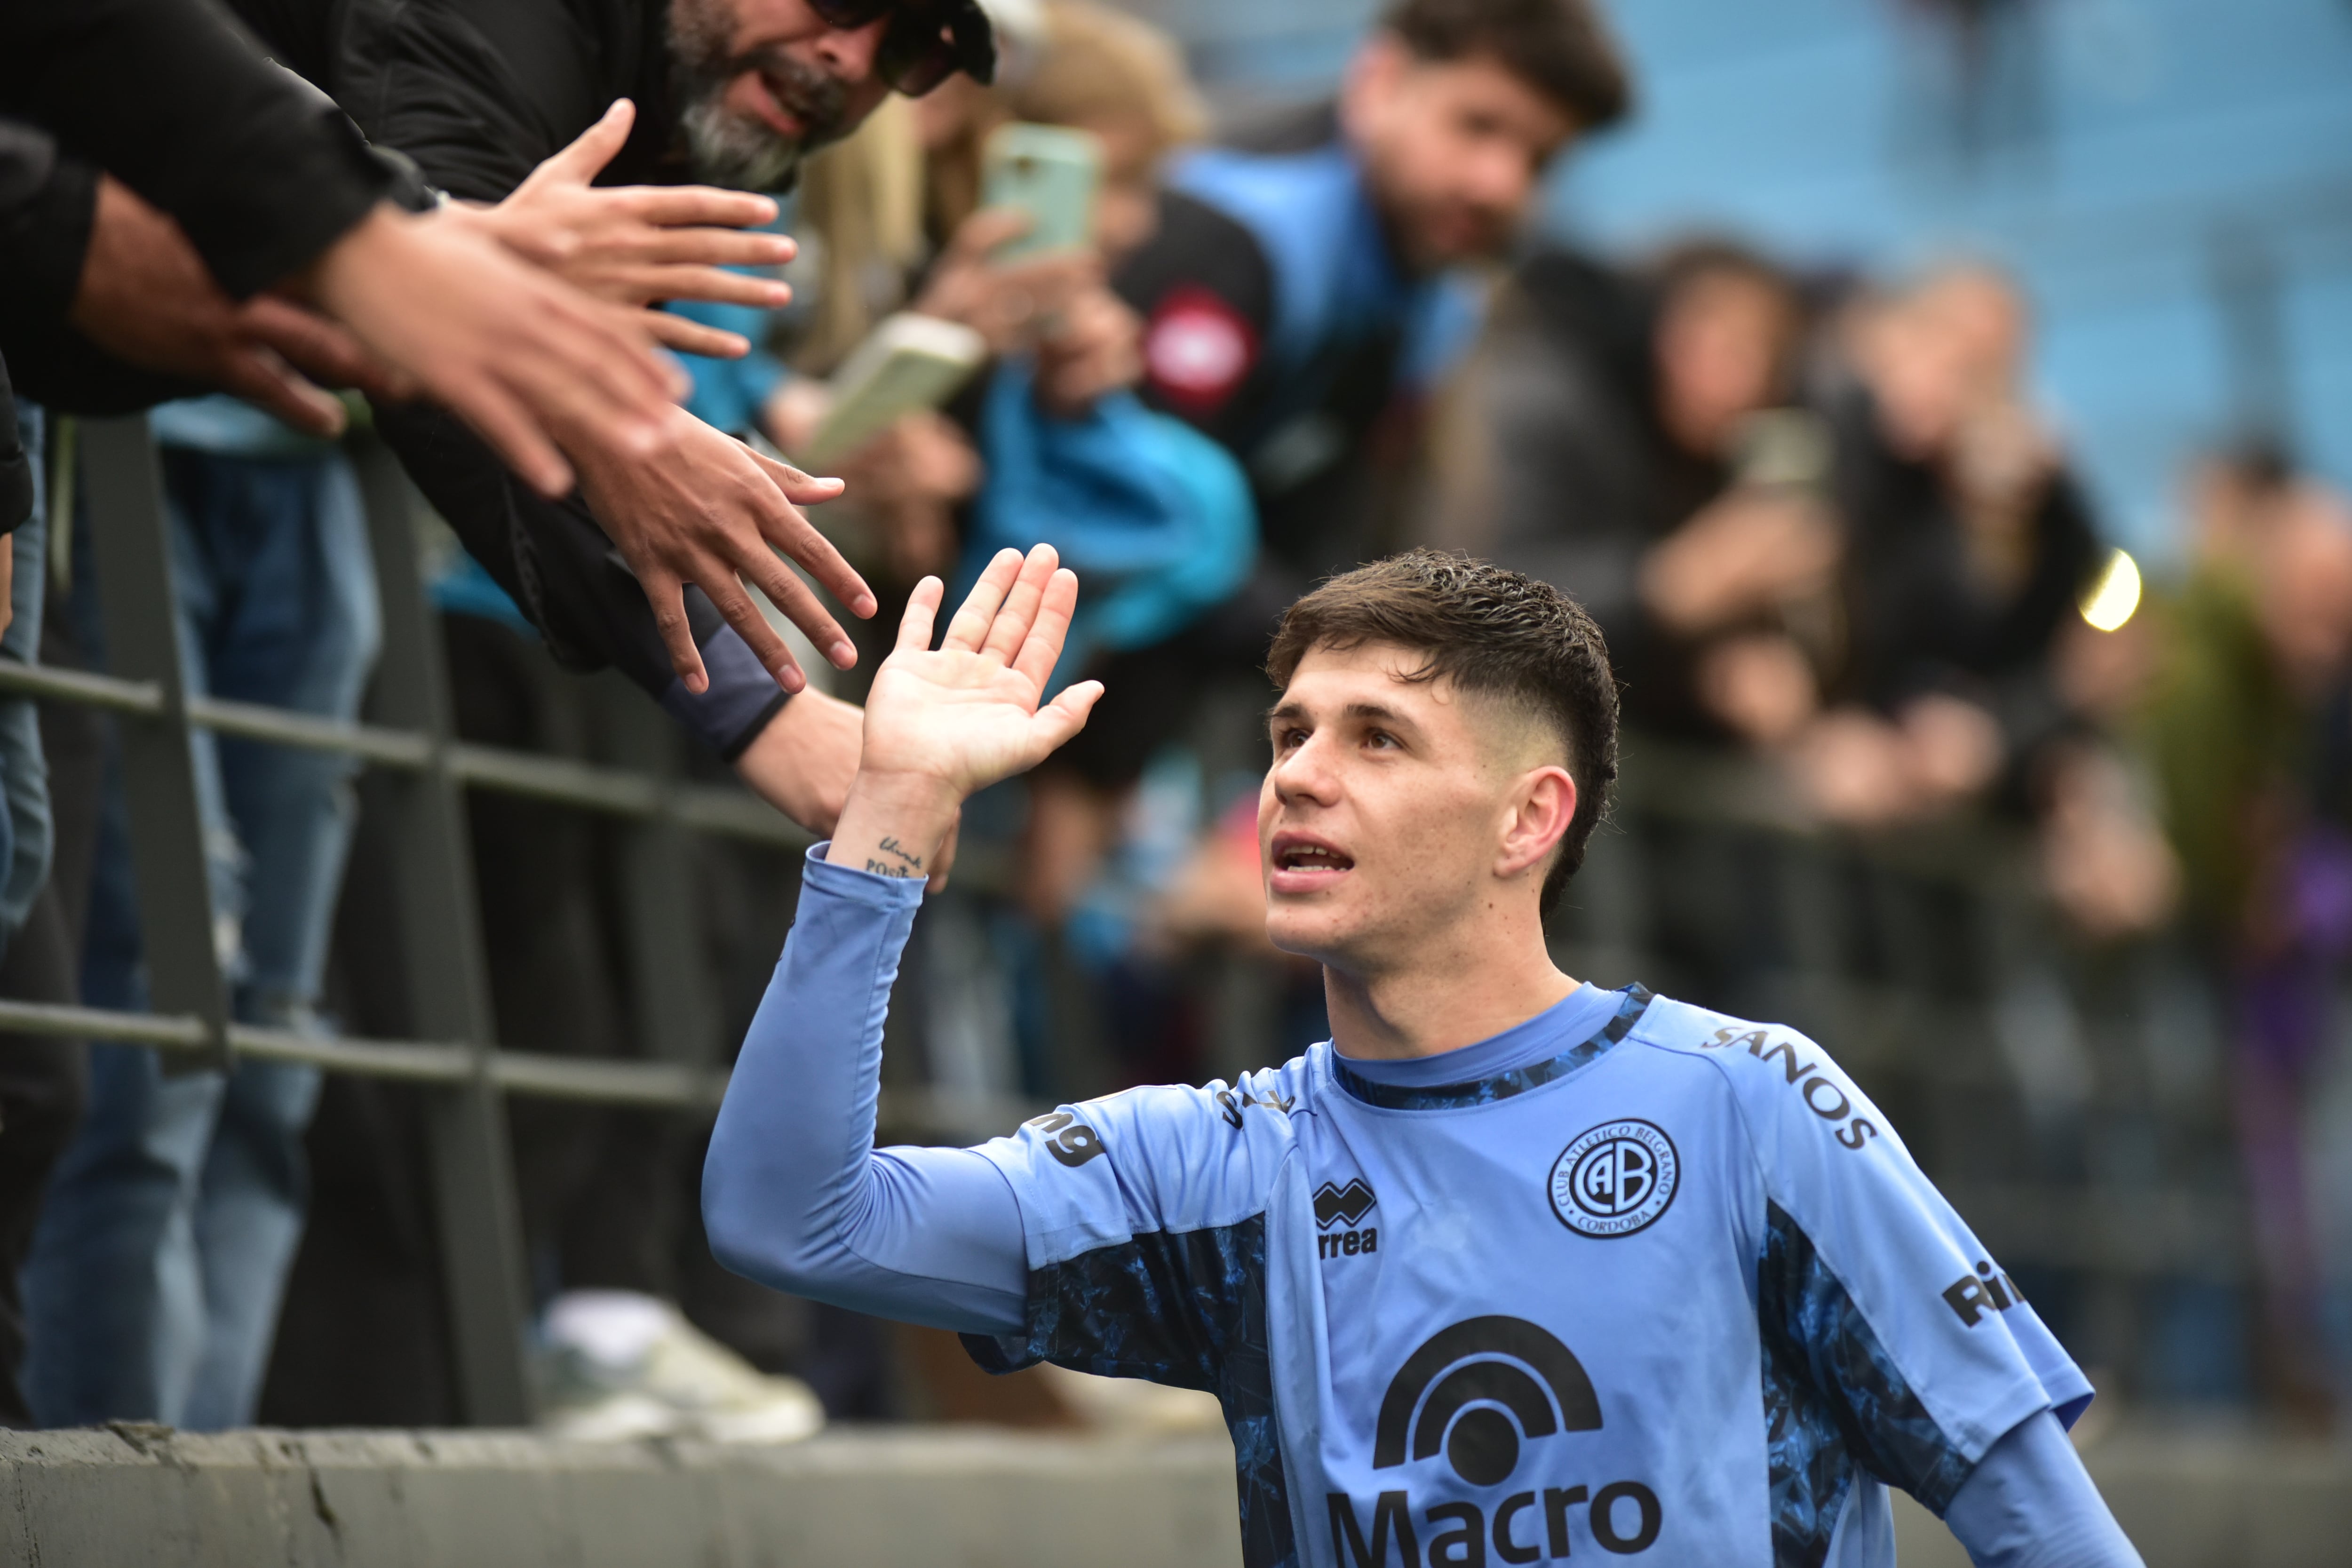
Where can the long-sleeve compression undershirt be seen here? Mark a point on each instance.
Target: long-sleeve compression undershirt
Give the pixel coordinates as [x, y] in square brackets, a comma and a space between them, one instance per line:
[795, 1195]
[2029, 1504]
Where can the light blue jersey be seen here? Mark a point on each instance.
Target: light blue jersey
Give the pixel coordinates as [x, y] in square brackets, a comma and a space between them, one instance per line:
[1628, 1279]
[1676, 1292]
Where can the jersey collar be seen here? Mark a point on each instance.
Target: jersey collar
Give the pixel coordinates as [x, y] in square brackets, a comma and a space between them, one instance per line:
[1502, 1085]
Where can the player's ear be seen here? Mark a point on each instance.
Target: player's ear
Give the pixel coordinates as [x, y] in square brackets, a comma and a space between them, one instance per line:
[1543, 803]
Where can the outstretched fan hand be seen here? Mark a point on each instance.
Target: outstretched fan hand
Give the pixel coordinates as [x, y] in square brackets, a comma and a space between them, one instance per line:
[942, 723]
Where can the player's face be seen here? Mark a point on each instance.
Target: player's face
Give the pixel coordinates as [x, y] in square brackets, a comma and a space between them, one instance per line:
[767, 81]
[1453, 149]
[1384, 814]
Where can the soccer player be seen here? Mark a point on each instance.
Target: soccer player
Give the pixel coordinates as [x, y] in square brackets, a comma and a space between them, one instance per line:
[1513, 1268]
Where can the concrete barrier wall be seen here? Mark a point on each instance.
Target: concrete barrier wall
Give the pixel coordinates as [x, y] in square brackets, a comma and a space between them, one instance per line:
[463, 1499]
[961, 1498]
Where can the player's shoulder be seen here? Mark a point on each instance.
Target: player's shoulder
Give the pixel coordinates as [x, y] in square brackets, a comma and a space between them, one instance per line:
[1684, 1028]
[1161, 1157]
[1773, 1072]
[1264, 1099]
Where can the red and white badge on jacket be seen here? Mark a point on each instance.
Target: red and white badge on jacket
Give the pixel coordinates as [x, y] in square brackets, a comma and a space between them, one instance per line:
[1197, 350]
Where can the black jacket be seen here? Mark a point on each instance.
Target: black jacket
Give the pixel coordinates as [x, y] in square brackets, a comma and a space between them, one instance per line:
[479, 91]
[45, 205]
[1919, 619]
[1558, 466]
[48, 200]
[176, 100]
[171, 97]
[16, 463]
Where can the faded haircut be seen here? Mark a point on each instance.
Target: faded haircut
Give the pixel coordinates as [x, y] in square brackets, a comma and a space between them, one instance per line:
[1490, 631]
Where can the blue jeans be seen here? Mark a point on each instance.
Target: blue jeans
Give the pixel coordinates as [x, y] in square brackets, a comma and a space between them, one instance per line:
[24, 824]
[154, 1287]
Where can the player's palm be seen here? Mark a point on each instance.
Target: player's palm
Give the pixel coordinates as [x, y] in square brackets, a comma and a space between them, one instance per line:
[967, 713]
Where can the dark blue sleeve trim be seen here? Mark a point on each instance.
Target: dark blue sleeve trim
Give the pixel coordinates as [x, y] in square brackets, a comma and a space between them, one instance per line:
[1834, 1400]
[1185, 1309]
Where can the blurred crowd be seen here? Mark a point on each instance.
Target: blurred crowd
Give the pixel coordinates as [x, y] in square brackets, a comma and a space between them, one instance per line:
[1840, 554]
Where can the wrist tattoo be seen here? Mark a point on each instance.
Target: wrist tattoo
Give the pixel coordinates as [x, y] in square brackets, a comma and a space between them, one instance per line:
[903, 865]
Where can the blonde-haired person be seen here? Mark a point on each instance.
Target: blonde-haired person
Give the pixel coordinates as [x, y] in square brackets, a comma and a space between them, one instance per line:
[1105, 72]
[914, 176]
[909, 183]
[1091, 68]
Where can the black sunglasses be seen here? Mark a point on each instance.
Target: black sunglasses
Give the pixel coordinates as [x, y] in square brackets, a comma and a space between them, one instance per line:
[926, 41]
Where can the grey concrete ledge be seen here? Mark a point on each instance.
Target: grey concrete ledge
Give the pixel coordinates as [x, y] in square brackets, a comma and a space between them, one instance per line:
[130, 1498]
[133, 1497]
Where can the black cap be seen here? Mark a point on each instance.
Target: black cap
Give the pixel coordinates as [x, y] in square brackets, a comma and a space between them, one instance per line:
[975, 41]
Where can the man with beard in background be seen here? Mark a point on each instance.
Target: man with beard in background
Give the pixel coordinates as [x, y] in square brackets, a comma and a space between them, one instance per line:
[640, 568]
[1304, 293]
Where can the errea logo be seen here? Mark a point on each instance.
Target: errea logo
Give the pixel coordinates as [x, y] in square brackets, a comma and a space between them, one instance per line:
[1334, 1205]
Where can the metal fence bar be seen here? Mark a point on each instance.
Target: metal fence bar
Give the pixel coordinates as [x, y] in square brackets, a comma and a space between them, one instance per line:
[470, 1163]
[653, 1085]
[168, 1033]
[259, 721]
[132, 541]
[108, 693]
[702, 808]
[661, 933]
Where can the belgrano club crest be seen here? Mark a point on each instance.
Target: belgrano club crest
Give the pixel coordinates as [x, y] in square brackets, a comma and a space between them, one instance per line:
[1615, 1179]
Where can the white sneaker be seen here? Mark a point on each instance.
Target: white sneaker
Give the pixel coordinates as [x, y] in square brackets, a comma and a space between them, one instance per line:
[615, 1358]
[624, 1417]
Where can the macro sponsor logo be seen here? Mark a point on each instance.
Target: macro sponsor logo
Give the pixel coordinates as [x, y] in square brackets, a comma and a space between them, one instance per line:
[1475, 1394]
[1972, 1295]
[1067, 1138]
[1821, 1093]
[1615, 1179]
[1350, 1203]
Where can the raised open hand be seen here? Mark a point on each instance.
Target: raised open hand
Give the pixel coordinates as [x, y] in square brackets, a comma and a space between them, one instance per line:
[636, 245]
[967, 712]
[941, 723]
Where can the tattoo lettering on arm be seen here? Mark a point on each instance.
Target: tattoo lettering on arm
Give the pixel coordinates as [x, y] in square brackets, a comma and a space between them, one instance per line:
[902, 864]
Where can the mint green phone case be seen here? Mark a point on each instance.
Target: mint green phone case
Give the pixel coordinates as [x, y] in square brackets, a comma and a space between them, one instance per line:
[1049, 171]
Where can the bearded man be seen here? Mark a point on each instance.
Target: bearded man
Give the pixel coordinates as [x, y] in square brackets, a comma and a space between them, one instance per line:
[640, 568]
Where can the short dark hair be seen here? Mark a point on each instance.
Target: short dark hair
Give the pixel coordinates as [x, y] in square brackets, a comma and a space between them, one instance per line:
[1697, 257]
[1560, 47]
[1488, 630]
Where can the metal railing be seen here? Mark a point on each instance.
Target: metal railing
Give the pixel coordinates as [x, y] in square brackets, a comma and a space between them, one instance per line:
[1903, 953]
[2070, 1098]
[446, 987]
